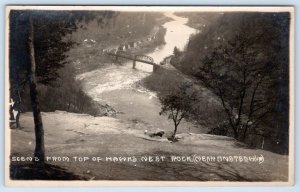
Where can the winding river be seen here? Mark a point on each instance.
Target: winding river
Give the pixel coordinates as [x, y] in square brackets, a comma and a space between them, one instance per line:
[115, 85]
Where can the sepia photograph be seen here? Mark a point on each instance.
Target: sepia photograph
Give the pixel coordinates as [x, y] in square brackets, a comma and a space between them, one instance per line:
[149, 95]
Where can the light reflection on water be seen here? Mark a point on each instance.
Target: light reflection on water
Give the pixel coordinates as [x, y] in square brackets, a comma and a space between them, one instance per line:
[115, 85]
[116, 77]
[177, 34]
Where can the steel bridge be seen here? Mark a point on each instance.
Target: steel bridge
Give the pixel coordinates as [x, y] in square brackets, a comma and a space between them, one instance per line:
[135, 58]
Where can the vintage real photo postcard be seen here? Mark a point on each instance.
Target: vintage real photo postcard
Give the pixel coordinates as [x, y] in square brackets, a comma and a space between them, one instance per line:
[149, 96]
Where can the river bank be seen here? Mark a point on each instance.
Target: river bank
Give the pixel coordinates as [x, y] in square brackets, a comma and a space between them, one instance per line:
[94, 54]
[117, 85]
[87, 55]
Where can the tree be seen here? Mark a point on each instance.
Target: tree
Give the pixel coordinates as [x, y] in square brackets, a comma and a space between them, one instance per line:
[176, 51]
[243, 70]
[178, 105]
[38, 49]
[241, 87]
[39, 151]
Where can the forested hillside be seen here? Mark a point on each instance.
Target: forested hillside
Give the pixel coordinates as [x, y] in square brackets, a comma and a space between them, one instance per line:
[119, 29]
[60, 47]
[120, 26]
[244, 59]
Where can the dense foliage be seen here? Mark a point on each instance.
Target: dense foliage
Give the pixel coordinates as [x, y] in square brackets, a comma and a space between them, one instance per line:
[122, 28]
[58, 36]
[50, 47]
[244, 59]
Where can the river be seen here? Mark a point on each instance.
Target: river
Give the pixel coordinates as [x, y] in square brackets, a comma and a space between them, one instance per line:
[115, 84]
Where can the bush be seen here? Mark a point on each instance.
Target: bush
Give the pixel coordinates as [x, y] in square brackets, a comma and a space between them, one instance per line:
[164, 82]
[66, 94]
[220, 129]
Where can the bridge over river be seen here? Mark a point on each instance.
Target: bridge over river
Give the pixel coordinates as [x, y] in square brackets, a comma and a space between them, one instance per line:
[119, 85]
[135, 58]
